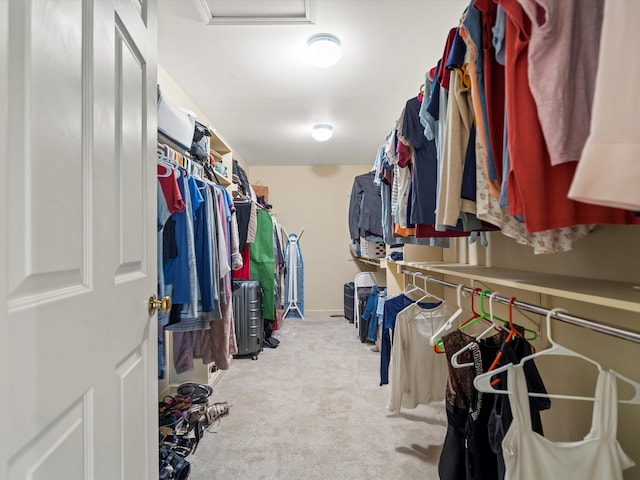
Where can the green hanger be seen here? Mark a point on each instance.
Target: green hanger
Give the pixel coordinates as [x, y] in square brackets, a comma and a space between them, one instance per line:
[477, 316]
[532, 333]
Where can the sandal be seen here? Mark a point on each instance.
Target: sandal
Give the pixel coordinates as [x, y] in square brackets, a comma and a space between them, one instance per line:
[171, 404]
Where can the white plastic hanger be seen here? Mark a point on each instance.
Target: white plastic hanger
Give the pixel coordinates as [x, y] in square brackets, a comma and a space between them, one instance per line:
[412, 287]
[470, 345]
[449, 323]
[168, 168]
[483, 382]
[427, 293]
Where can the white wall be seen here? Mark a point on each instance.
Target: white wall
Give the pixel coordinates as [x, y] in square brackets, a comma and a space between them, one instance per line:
[316, 198]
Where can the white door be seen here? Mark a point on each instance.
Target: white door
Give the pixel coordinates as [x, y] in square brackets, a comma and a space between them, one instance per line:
[77, 231]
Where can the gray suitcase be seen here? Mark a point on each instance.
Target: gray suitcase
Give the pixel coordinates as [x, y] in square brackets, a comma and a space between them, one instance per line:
[247, 317]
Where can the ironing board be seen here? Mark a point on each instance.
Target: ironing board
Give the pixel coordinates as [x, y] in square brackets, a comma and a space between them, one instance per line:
[294, 278]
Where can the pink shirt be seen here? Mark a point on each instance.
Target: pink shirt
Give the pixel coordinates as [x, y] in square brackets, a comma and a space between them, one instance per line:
[563, 60]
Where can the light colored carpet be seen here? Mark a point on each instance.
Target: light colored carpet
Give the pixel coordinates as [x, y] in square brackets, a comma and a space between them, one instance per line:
[313, 409]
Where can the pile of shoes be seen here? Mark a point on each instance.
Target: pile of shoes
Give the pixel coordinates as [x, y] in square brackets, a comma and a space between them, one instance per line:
[183, 419]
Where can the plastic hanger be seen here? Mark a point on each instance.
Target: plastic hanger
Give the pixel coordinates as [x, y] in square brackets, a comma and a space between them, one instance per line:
[483, 334]
[436, 339]
[163, 162]
[412, 287]
[512, 334]
[492, 318]
[439, 347]
[533, 335]
[483, 381]
[476, 316]
[428, 294]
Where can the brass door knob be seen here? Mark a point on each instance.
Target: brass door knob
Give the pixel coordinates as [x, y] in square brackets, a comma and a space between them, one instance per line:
[164, 304]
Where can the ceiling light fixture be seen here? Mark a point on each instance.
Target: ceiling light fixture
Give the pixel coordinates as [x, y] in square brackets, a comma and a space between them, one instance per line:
[324, 49]
[322, 132]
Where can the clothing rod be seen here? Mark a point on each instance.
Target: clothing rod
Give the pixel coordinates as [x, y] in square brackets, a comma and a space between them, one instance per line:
[607, 329]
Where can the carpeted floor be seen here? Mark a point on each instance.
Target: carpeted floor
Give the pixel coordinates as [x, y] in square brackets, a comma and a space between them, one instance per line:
[313, 409]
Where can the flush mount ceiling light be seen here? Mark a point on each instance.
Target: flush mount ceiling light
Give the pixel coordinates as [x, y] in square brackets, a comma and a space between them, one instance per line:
[324, 49]
[322, 132]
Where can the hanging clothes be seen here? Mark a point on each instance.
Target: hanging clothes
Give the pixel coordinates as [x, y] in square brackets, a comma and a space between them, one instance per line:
[563, 60]
[537, 189]
[262, 262]
[478, 421]
[609, 172]
[419, 375]
[501, 415]
[197, 246]
[466, 453]
[393, 306]
[529, 456]
[365, 209]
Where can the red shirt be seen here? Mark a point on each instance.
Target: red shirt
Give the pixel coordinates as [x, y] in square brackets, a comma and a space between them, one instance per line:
[535, 188]
[169, 184]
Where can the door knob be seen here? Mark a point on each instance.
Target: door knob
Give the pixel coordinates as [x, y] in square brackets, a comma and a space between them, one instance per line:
[164, 304]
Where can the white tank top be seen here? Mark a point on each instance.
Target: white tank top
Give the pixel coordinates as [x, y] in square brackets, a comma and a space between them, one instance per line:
[530, 456]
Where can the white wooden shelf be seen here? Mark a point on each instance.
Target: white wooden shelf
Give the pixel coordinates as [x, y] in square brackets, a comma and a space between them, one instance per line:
[620, 295]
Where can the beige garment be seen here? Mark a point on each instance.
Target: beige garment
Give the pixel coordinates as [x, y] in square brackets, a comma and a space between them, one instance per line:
[608, 172]
[457, 129]
[253, 219]
[418, 374]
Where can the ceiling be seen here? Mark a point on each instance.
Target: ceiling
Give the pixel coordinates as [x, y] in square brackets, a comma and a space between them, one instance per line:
[257, 89]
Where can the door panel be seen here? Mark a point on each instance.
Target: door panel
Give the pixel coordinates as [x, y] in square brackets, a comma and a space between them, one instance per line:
[59, 448]
[131, 375]
[78, 370]
[130, 147]
[40, 271]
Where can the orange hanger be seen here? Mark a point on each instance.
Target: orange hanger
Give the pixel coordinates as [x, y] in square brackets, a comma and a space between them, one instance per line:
[512, 333]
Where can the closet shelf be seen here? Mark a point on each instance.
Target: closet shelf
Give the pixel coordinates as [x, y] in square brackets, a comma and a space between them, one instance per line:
[620, 295]
[223, 153]
[222, 180]
[378, 262]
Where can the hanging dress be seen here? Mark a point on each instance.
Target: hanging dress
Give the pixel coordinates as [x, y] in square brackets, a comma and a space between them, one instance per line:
[530, 456]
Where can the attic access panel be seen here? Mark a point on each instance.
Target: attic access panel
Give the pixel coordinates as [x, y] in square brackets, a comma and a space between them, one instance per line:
[255, 12]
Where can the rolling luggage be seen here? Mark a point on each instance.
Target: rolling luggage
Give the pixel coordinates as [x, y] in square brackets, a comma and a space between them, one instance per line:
[349, 294]
[247, 317]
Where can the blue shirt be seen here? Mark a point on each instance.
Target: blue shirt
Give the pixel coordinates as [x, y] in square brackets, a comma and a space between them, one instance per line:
[393, 306]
